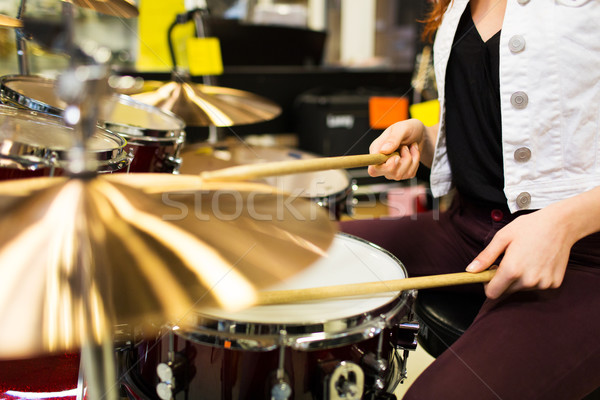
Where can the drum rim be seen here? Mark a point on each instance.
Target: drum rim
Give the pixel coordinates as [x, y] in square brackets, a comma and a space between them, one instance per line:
[33, 156]
[304, 336]
[21, 100]
[335, 195]
[133, 133]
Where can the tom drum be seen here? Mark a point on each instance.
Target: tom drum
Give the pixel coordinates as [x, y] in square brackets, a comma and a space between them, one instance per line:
[154, 137]
[33, 144]
[332, 189]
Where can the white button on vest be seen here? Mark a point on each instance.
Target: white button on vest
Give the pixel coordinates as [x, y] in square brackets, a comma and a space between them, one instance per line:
[516, 44]
[523, 200]
[519, 100]
[522, 154]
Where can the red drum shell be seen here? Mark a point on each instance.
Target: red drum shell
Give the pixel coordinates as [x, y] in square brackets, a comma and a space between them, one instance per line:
[154, 137]
[48, 377]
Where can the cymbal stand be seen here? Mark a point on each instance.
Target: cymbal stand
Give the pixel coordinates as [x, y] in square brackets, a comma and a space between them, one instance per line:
[22, 44]
[84, 87]
[196, 15]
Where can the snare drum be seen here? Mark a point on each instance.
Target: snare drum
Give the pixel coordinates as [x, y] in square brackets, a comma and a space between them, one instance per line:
[343, 348]
[33, 144]
[154, 137]
[332, 189]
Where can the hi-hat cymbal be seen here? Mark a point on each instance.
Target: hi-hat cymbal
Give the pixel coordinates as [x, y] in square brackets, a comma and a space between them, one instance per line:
[204, 105]
[148, 255]
[117, 8]
[10, 22]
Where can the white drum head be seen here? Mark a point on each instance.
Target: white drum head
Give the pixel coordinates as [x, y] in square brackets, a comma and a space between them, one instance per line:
[23, 127]
[349, 260]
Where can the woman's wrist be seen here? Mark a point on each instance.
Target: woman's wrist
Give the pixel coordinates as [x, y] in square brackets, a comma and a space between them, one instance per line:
[579, 216]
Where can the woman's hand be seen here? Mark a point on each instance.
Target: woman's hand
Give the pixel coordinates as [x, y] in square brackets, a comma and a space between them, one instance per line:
[404, 137]
[536, 250]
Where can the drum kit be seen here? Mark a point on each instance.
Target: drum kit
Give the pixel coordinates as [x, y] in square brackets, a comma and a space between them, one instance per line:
[137, 271]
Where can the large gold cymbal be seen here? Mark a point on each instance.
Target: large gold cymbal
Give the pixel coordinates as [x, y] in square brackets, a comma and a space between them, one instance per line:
[152, 254]
[10, 22]
[116, 8]
[204, 105]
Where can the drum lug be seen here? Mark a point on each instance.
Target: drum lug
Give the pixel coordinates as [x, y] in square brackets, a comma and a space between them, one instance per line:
[404, 335]
[173, 163]
[53, 161]
[129, 159]
[346, 381]
[378, 365]
[170, 375]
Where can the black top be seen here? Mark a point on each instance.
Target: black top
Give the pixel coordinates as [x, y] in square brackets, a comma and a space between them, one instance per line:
[473, 126]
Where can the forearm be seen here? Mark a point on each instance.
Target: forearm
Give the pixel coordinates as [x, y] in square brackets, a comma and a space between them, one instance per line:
[579, 215]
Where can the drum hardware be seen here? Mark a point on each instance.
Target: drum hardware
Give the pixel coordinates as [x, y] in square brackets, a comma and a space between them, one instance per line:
[404, 338]
[48, 160]
[53, 161]
[21, 41]
[281, 389]
[171, 373]
[377, 366]
[405, 335]
[170, 376]
[130, 156]
[345, 382]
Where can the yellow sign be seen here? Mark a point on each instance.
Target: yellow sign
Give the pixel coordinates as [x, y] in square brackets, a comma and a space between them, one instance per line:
[204, 56]
[153, 25]
[428, 112]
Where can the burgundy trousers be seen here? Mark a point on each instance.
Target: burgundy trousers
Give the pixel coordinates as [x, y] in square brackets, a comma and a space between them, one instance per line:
[529, 345]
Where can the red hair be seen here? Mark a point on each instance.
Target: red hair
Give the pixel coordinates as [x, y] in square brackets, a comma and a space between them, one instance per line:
[434, 18]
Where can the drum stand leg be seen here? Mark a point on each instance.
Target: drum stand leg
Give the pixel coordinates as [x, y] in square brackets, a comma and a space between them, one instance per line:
[80, 395]
[281, 390]
[97, 351]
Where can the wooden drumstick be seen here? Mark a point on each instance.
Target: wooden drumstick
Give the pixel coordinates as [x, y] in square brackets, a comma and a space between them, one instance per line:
[261, 170]
[355, 289]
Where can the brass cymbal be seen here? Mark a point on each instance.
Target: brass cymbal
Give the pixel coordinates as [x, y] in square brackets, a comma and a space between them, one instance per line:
[204, 105]
[10, 22]
[117, 8]
[151, 254]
